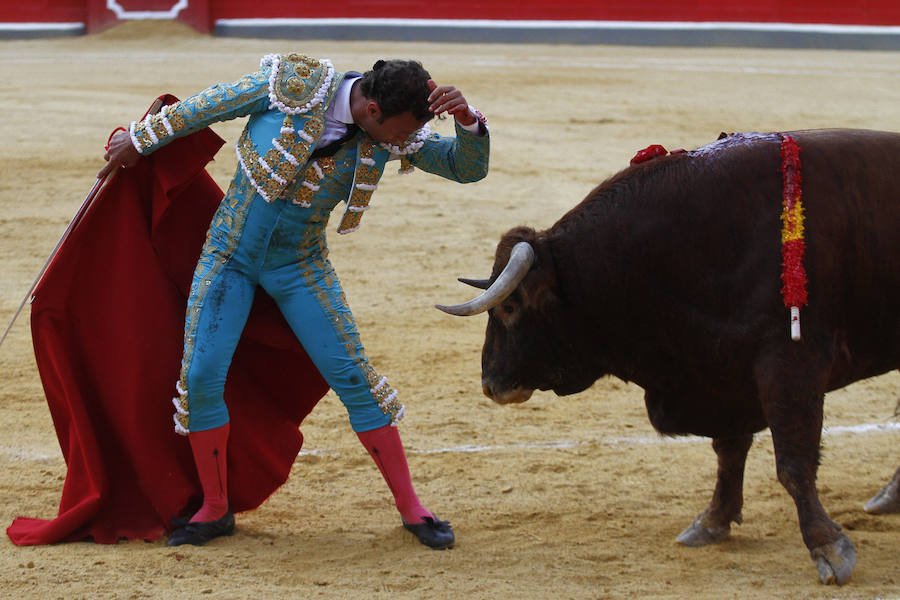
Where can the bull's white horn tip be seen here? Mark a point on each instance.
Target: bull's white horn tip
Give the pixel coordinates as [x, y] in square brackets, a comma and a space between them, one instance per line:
[459, 311]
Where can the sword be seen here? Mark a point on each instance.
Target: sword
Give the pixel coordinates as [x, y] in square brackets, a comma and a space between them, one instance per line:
[29, 298]
[72, 225]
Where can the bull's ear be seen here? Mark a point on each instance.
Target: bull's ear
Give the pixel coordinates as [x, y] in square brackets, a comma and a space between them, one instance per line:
[481, 284]
[548, 299]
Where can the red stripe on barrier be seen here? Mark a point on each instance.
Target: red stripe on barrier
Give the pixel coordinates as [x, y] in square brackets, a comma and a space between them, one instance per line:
[202, 13]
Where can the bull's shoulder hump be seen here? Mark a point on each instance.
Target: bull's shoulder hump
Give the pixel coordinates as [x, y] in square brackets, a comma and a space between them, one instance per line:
[748, 140]
[734, 141]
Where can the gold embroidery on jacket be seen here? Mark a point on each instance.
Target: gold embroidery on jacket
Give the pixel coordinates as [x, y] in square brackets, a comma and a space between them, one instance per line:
[365, 181]
[270, 174]
[200, 109]
[315, 172]
[299, 82]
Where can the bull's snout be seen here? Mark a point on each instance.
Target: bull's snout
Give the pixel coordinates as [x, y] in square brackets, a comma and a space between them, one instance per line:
[513, 396]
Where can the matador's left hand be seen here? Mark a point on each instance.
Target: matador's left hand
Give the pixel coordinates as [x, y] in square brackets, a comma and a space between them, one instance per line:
[121, 152]
[446, 98]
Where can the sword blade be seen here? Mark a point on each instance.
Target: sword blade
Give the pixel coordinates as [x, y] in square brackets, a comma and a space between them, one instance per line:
[98, 185]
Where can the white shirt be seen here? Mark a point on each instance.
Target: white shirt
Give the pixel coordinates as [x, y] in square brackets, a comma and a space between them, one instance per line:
[338, 115]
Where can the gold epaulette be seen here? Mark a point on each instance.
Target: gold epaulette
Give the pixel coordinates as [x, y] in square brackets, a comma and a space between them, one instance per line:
[298, 83]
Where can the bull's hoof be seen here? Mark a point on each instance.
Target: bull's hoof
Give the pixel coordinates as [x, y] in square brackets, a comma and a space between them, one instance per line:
[703, 532]
[835, 561]
[887, 500]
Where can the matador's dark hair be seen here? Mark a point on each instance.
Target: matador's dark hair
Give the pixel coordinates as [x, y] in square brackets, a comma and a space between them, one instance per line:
[398, 86]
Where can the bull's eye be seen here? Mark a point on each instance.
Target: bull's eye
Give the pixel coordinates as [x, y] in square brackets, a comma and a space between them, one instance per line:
[508, 309]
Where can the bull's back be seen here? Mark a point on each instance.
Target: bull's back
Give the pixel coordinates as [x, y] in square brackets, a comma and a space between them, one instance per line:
[693, 244]
[850, 193]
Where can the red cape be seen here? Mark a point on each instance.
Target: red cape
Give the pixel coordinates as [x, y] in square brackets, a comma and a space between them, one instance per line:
[108, 323]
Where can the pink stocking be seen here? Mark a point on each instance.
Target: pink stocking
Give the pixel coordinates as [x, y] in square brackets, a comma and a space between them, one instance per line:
[386, 450]
[209, 449]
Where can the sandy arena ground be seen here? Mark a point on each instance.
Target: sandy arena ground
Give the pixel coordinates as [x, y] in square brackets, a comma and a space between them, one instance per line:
[571, 497]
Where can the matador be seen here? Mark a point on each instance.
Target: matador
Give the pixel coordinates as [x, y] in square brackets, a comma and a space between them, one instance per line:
[315, 137]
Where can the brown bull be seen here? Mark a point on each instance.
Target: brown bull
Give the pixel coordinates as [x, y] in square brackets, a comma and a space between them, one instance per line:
[668, 274]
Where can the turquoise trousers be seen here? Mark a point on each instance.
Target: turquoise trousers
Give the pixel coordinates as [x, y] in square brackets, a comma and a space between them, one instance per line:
[280, 247]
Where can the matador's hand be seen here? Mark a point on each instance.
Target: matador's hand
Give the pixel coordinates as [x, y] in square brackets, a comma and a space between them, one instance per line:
[121, 152]
[447, 98]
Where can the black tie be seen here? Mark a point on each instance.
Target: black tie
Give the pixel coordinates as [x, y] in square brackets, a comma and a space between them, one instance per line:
[331, 148]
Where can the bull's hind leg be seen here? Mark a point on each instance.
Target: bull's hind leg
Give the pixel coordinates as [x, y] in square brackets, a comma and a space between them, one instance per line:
[714, 524]
[792, 398]
[887, 500]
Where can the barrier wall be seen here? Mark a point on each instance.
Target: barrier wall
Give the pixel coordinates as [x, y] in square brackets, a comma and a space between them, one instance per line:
[822, 23]
[44, 11]
[95, 15]
[864, 12]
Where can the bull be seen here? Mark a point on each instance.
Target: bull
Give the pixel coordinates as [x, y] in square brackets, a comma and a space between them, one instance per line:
[669, 275]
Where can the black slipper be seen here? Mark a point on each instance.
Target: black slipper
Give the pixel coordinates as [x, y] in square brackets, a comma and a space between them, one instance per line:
[433, 533]
[180, 522]
[201, 532]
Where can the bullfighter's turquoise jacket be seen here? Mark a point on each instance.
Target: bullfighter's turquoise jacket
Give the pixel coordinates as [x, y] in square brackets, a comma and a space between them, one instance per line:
[286, 100]
[269, 229]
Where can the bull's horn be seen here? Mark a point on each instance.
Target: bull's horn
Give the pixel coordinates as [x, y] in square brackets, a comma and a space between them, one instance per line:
[481, 284]
[520, 260]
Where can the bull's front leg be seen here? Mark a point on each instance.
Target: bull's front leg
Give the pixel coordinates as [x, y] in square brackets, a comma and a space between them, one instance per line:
[714, 524]
[831, 550]
[793, 409]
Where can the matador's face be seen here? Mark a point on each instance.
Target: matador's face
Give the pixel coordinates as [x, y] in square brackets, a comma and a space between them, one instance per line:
[392, 130]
